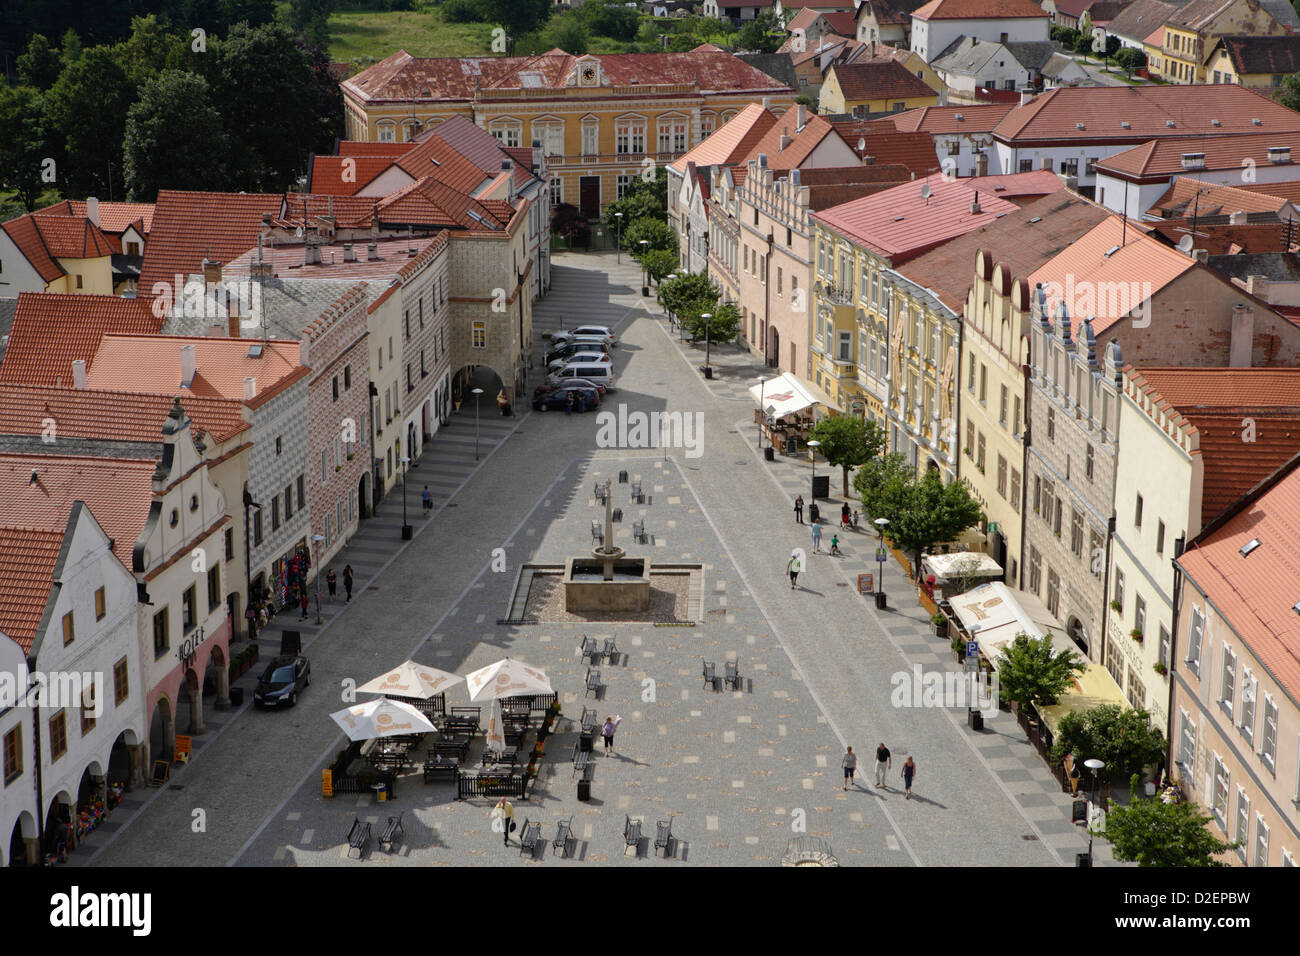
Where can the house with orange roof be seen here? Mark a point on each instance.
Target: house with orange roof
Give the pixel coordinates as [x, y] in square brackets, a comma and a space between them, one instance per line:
[1234, 728]
[962, 135]
[877, 143]
[1193, 441]
[937, 24]
[886, 21]
[51, 332]
[873, 86]
[52, 253]
[126, 224]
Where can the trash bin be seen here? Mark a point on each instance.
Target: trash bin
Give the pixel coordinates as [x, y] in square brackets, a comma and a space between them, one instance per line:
[708, 371]
[769, 453]
[585, 742]
[880, 600]
[975, 719]
[1082, 859]
[813, 513]
[381, 793]
[584, 790]
[236, 696]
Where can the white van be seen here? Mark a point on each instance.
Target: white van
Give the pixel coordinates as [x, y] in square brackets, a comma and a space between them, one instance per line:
[601, 374]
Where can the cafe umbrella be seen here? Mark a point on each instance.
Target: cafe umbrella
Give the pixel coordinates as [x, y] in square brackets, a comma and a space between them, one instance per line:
[381, 717]
[410, 679]
[495, 738]
[507, 678]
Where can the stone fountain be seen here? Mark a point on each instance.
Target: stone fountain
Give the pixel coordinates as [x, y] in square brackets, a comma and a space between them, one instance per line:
[608, 580]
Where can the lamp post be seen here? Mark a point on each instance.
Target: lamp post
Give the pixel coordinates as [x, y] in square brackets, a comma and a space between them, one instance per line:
[671, 277]
[645, 276]
[316, 540]
[762, 388]
[881, 524]
[618, 242]
[708, 322]
[813, 445]
[477, 392]
[1095, 766]
[248, 566]
[406, 528]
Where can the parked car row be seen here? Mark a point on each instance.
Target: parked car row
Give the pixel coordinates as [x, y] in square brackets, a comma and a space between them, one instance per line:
[578, 359]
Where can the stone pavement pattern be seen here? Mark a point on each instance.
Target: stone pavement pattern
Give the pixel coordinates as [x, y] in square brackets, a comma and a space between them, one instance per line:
[729, 769]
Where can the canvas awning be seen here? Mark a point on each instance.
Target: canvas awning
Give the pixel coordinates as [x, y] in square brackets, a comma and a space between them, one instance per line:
[961, 564]
[1092, 688]
[787, 394]
[993, 614]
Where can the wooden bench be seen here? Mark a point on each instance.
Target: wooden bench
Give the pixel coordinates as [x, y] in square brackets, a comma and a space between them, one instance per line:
[391, 830]
[631, 834]
[589, 649]
[529, 837]
[468, 715]
[457, 748]
[589, 720]
[508, 756]
[359, 838]
[444, 767]
[731, 675]
[593, 682]
[664, 835]
[563, 834]
[610, 650]
[709, 674]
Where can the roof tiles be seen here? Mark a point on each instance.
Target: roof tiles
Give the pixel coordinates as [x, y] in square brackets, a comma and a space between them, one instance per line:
[110, 416]
[52, 330]
[191, 226]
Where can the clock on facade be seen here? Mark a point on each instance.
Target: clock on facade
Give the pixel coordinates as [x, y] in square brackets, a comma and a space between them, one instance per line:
[588, 74]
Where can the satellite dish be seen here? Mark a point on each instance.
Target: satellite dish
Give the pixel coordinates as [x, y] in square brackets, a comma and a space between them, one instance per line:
[298, 232]
[925, 191]
[862, 143]
[1185, 245]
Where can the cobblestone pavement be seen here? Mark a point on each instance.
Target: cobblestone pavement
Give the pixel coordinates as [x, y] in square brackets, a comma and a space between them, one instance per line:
[738, 772]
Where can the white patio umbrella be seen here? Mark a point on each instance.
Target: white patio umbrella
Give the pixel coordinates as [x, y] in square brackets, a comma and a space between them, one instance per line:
[381, 717]
[507, 678]
[410, 679]
[496, 735]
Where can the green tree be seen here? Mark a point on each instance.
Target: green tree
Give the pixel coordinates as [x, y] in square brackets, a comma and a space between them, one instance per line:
[689, 293]
[463, 11]
[882, 483]
[517, 16]
[609, 18]
[848, 441]
[1031, 675]
[72, 47]
[1120, 736]
[1155, 833]
[88, 105]
[22, 147]
[929, 512]
[39, 66]
[722, 324]
[175, 137]
[657, 233]
[311, 19]
[567, 33]
[1130, 60]
[659, 263]
[1289, 94]
[759, 35]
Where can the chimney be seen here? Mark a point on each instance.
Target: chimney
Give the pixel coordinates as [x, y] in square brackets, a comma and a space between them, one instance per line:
[1243, 334]
[372, 251]
[1201, 255]
[1193, 160]
[1279, 154]
[92, 210]
[1237, 218]
[302, 352]
[975, 204]
[79, 373]
[1003, 38]
[767, 102]
[1026, 97]
[762, 160]
[261, 270]
[508, 166]
[800, 117]
[232, 319]
[187, 366]
[981, 164]
[1255, 285]
[250, 388]
[211, 272]
[349, 254]
[796, 179]
[785, 141]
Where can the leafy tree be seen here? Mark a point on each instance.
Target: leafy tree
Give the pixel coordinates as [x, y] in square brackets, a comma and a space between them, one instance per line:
[803, 99]
[1120, 736]
[570, 224]
[22, 147]
[252, 12]
[73, 49]
[1030, 674]
[689, 294]
[926, 511]
[175, 137]
[1289, 94]
[1155, 833]
[311, 19]
[88, 105]
[609, 18]
[40, 65]
[659, 263]
[517, 16]
[848, 441]
[656, 232]
[644, 200]
[759, 35]
[566, 33]
[722, 324]
[463, 11]
[1131, 60]
[150, 49]
[881, 484]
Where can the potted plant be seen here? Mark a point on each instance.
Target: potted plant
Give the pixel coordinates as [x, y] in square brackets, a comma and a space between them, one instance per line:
[1160, 668]
[351, 455]
[1116, 606]
[1136, 635]
[940, 624]
[959, 648]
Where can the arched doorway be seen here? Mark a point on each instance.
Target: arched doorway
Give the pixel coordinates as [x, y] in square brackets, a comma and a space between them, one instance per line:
[22, 841]
[122, 769]
[478, 376]
[59, 823]
[773, 355]
[216, 678]
[363, 495]
[192, 698]
[162, 730]
[1074, 630]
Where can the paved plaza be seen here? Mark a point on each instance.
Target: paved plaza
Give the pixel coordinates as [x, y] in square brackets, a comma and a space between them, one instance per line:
[739, 773]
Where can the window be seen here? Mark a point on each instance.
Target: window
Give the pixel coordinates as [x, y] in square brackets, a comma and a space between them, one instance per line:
[387, 132]
[1268, 740]
[1261, 841]
[275, 513]
[1187, 742]
[979, 454]
[479, 333]
[288, 502]
[347, 369]
[970, 439]
[1038, 494]
[508, 134]
[629, 136]
[1090, 166]
[1015, 490]
[622, 183]
[1119, 590]
[189, 615]
[1002, 476]
[1139, 614]
[334, 383]
[1137, 692]
[1242, 834]
[1219, 795]
[1228, 681]
[214, 587]
[230, 544]
[954, 147]
[1051, 424]
[1016, 418]
[338, 515]
[121, 682]
[257, 526]
[672, 134]
[984, 383]
[1089, 461]
[1002, 407]
[706, 123]
[557, 190]
[100, 608]
[1076, 532]
[846, 346]
[1137, 513]
[1162, 651]
[1194, 634]
[1096, 554]
[1056, 518]
[1035, 569]
[590, 137]
[1249, 688]
[1053, 591]
[1160, 538]
[88, 710]
[1069, 167]
[69, 629]
[58, 735]
[13, 754]
[1025, 166]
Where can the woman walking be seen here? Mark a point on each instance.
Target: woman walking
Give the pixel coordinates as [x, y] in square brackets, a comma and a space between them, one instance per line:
[607, 731]
[817, 538]
[909, 774]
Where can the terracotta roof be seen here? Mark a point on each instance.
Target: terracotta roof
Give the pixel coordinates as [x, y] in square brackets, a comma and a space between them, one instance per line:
[1141, 259]
[1052, 116]
[1140, 18]
[731, 142]
[393, 259]
[979, 10]
[798, 4]
[25, 234]
[52, 330]
[326, 176]
[1186, 195]
[429, 202]
[28, 557]
[1288, 191]
[114, 217]
[1255, 594]
[1022, 241]
[842, 21]
[944, 119]
[887, 146]
[1255, 54]
[879, 79]
[152, 364]
[118, 492]
[803, 20]
[1198, 14]
[356, 147]
[437, 159]
[802, 141]
[191, 226]
[1164, 157]
[1225, 239]
[901, 224]
[349, 212]
[110, 416]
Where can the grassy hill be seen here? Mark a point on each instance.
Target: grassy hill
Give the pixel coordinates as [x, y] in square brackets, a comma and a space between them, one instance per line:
[363, 37]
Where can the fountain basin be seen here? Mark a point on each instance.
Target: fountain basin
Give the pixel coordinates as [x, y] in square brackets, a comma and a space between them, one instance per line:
[585, 588]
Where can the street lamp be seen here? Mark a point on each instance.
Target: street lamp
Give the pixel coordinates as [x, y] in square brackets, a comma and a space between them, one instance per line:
[1095, 766]
[618, 242]
[248, 567]
[406, 528]
[708, 322]
[316, 540]
[880, 524]
[671, 277]
[813, 445]
[645, 276]
[477, 392]
[762, 387]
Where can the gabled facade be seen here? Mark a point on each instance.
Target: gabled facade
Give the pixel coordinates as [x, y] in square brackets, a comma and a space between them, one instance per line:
[50, 253]
[1191, 30]
[1255, 62]
[873, 86]
[939, 23]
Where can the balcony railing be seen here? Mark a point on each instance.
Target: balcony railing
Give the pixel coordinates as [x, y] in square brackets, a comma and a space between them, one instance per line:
[593, 159]
[840, 295]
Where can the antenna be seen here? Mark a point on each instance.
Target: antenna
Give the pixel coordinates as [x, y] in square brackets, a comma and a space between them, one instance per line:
[925, 193]
[862, 143]
[1185, 245]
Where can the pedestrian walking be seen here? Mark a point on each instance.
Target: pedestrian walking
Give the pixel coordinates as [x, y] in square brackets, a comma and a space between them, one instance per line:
[427, 497]
[607, 731]
[568, 404]
[835, 544]
[332, 582]
[306, 602]
[883, 762]
[850, 765]
[793, 569]
[855, 519]
[347, 580]
[817, 538]
[845, 515]
[505, 812]
[798, 510]
[909, 774]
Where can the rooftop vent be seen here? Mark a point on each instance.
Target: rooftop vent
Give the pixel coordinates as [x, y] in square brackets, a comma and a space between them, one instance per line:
[961, 117]
[1215, 122]
[1169, 123]
[1193, 160]
[250, 388]
[372, 251]
[1257, 121]
[1125, 124]
[79, 373]
[187, 366]
[1078, 126]
[1295, 607]
[898, 219]
[255, 350]
[1036, 219]
[1279, 154]
[1110, 252]
[1249, 546]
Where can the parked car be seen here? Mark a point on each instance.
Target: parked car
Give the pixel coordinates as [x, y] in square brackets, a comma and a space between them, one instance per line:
[569, 384]
[584, 331]
[558, 399]
[603, 374]
[579, 358]
[281, 681]
[575, 346]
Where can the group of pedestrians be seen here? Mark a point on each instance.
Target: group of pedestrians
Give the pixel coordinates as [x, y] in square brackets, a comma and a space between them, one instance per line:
[884, 763]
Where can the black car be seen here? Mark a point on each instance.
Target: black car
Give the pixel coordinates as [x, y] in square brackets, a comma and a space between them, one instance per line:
[558, 399]
[281, 681]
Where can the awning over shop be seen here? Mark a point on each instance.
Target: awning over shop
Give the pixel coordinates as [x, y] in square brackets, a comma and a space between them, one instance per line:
[1092, 688]
[993, 614]
[961, 564]
[787, 394]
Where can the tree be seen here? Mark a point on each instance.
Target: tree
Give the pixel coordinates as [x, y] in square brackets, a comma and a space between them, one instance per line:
[88, 105]
[881, 484]
[567, 33]
[759, 35]
[639, 202]
[40, 65]
[311, 19]
[609, 18]
[659, 263]
[1155, 833]
[517, 16]
[1031, 675]
[689, 294]
[22, 147]
[1120, 736]
[722, 324]
[72, 47]
[1289, 94]
[930, 512]
[463, 11]
[175, 138]
[150, 49]
[569, 224]
[1131, 60]
[848, 441]
[656, 232]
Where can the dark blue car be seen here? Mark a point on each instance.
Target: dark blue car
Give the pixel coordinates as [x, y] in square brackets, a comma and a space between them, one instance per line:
[558, 400]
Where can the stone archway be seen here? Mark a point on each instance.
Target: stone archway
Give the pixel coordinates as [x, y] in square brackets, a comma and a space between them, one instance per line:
[479, 376]
[219, 670]
[1074, 630]
[162, 730]
[23, 848]
[126, 761]
[192, 693]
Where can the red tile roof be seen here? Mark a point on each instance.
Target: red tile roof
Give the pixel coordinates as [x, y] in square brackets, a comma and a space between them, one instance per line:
[1139, 18]
[110, 416]
[887, 147]
[900, 224]
[1226, 239]
[1163, 158]
[1186, 195]
[1256, 54]
[327, 173]
[28, 557]
[356, 147]
[114, 217]
[1255, 594]
[437, 159]
[191, 226]
[117, 491]
[73, 238]
[879, 79]
[802, 141]
[24, 233]
[52, 330]
[945, 119]
[732, 142]
[893, 11]
[843, 22]
[1052, 116]
[1287, 191]
[393, 259]
[979, 10]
